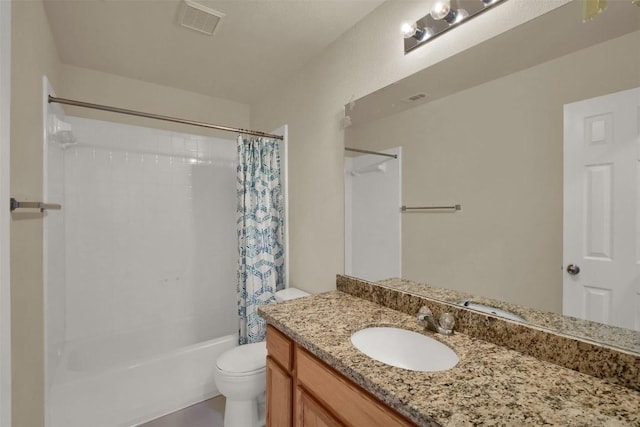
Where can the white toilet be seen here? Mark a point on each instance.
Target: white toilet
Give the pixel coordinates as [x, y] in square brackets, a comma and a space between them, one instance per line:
[241, 377]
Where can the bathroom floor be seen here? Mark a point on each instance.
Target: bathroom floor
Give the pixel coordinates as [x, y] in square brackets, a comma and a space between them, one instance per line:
[204, 414]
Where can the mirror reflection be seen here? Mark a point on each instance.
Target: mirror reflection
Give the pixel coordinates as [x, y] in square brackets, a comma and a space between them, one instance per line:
[535, 134]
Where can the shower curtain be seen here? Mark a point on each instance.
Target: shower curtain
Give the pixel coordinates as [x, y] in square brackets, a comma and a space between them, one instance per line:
[260, 223]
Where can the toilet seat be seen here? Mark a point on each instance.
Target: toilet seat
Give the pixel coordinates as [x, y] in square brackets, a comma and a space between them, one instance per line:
[244, 360]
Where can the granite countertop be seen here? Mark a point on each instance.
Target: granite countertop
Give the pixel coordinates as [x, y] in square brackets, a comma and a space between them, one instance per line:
[490, 385]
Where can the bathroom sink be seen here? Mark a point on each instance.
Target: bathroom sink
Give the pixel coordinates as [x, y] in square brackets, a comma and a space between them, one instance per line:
[404, 349]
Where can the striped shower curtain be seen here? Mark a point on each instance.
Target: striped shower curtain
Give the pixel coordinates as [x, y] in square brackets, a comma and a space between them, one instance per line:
[260, 222]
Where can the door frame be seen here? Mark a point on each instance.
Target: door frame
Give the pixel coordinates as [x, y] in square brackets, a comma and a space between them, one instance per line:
[5, 285]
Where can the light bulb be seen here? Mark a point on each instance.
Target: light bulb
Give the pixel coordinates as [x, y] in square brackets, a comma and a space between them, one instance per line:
[409, 29]
[440, 9]
[412, 30]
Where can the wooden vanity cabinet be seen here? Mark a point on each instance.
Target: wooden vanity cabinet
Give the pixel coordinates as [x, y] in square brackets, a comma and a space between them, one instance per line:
[279, 379]
[303, 391]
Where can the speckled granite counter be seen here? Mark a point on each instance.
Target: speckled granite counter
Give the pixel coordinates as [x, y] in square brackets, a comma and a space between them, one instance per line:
[490, 385]
[610, 363]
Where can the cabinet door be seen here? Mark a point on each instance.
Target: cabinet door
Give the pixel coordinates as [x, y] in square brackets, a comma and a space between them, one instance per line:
[279, 395]
[310, 413]
[280, 348]
[354, 405]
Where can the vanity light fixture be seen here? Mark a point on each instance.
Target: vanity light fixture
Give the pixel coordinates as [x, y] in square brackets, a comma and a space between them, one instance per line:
[443, 16]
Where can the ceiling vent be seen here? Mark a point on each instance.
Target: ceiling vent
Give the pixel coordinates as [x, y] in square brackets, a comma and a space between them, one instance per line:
[417, 97]
[198, 17]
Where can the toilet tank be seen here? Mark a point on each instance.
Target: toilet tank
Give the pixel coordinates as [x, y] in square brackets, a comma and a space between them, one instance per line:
[290, 293]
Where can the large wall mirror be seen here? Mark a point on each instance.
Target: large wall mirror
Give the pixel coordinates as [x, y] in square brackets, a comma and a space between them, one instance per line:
[535, 134]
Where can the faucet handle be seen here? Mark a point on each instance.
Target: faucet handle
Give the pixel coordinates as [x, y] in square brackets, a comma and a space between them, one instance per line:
[423, 313]
[447, 321]
[444, 326]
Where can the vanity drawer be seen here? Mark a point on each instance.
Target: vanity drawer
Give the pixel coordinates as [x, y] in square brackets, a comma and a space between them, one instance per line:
[280, 348]
[341, 397]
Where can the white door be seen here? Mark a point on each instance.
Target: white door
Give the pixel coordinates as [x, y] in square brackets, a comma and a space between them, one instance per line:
[602, 209]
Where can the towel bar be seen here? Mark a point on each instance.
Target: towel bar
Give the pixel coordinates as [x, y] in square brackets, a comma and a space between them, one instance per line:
[15, 204]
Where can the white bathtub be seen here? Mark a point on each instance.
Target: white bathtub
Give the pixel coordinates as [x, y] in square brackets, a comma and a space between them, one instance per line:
[128, 379]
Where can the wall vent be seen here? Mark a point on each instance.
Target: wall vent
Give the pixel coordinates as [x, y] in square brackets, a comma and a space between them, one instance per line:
[198, 17]
[413, 100]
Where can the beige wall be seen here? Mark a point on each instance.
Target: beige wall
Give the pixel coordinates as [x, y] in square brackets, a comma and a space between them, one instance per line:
[497, 150]
[33, 54]
[5, 282]
[108, 89]
[367, 57]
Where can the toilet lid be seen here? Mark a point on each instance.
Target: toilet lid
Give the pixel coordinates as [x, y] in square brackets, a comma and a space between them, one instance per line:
[290, 293]
[244, 359]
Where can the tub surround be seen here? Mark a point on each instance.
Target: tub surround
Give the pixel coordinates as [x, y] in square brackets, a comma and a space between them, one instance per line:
[112, 391]
[490, 384]
[609, 363]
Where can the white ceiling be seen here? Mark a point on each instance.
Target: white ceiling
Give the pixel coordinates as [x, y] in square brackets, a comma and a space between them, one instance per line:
[257, 45]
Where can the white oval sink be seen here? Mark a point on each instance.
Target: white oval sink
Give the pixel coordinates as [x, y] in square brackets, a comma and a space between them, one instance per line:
[404, 349]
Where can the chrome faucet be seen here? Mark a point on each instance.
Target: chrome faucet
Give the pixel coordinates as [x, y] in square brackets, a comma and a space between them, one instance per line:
[444, 326]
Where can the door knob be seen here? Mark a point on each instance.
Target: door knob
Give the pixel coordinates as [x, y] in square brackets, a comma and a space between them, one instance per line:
[573, 269]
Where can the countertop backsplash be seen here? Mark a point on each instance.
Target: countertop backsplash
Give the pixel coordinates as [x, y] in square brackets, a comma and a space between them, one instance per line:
[608, 363]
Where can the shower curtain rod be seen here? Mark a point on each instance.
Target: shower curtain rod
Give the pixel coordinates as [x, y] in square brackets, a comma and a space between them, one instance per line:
[159, 117]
